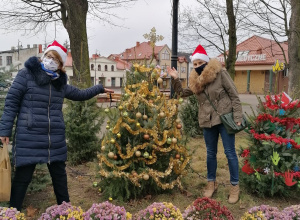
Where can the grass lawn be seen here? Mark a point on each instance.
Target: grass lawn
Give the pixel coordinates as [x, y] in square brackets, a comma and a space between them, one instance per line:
[82, 192]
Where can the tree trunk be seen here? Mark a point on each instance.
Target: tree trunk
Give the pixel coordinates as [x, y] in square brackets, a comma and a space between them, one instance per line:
[230, 61]
[74, 14]
[294, 49]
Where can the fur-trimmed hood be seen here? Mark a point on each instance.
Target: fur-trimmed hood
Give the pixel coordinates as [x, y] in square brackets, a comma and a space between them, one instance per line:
[198, 83]
[41, 77]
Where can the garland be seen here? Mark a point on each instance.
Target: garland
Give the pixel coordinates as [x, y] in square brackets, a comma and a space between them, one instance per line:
[274, 138]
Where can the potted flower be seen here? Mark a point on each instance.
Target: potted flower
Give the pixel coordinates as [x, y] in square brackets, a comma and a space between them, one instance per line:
[205, 209]
[11, 214]
[161, 210]
[263, 212]
[64, 211]
[106, 210]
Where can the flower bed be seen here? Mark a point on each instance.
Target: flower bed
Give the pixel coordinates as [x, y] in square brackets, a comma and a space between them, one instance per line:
[11, 214]
[266, 212]
[205, 208]
[106, 210]
[64, 211]
[161, 210]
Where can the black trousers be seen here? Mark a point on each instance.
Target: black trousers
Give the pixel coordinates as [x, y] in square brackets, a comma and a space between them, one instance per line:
[23, 177]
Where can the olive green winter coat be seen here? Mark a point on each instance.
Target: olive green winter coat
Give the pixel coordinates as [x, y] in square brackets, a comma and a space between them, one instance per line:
[218, 85]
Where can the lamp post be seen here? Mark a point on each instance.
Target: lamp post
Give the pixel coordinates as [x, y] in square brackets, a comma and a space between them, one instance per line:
[174, 56]
[19, 53]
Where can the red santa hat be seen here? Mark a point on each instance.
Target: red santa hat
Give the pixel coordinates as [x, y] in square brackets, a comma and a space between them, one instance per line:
[61, 50]
[199, 54]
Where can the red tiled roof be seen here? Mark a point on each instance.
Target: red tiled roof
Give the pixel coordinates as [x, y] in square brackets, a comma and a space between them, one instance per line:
[140, 51]
[262, 51]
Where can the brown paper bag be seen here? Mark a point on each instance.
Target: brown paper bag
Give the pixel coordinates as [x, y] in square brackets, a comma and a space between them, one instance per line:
[5, 174]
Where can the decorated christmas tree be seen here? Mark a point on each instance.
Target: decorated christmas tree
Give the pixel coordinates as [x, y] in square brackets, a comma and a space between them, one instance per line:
[142, 151]
[271, 162]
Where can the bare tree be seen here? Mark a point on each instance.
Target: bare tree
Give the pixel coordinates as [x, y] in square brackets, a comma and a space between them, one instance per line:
[294, 49]
[214, 24]
[36, 14]
[279, 19]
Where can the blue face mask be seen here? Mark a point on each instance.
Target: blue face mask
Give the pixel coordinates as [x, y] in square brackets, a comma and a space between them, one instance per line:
[199, 69]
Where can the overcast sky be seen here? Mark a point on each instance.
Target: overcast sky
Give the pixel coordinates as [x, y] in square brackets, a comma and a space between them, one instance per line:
[106, 39]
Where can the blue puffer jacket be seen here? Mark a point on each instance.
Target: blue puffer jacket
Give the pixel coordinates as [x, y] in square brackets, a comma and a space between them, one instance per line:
[37, 102]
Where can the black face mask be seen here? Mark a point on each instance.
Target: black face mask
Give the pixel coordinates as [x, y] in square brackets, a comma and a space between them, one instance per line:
[199, 69]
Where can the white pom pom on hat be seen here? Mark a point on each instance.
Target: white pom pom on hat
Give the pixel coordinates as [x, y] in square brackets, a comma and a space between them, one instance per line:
[61, 50]
[199, 54]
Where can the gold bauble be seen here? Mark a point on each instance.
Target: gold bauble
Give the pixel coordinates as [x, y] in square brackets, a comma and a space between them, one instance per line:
[103, 148]
[160, 80]
[118, 135]
[180, 100]
[145, 117]
[120, 107]
[107, 127]
[112, 141]
[111, 155]
[138, 153]
[150, 157]
[106, 110]
[158, 97]
[169, 140]
[174, 140]
[177, 120]
[161, 114]
[108, 122]
[138, 115]
[143, 95]
[138, 124]
[145, 176]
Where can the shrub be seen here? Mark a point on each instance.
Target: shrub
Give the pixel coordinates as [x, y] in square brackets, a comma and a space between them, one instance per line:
[189, 116]
[64, 211]
[206, 208]
[162, 210]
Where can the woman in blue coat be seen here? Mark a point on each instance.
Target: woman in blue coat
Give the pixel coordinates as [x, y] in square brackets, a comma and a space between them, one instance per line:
[36, 98]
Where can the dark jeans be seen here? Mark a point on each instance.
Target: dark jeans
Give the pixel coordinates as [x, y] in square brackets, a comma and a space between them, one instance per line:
[23, 176]
[211, 136]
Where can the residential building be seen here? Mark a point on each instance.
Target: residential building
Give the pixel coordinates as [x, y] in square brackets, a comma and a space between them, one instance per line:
[18, 56]
[254, 66]
[144, 53]
[109, 73]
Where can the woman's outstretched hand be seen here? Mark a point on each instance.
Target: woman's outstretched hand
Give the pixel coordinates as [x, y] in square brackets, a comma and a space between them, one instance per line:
[108, 90]
[172, 72]
[4, 140]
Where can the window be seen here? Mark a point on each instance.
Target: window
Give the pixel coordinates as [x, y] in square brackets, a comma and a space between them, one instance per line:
[105, 67]
[183, 70]
[92, 67]
[112, 68]
[99, 67]
[8, 60]
[165, 55]
[113, 81]
[285, 72]
[1, 61]
[121, 82]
